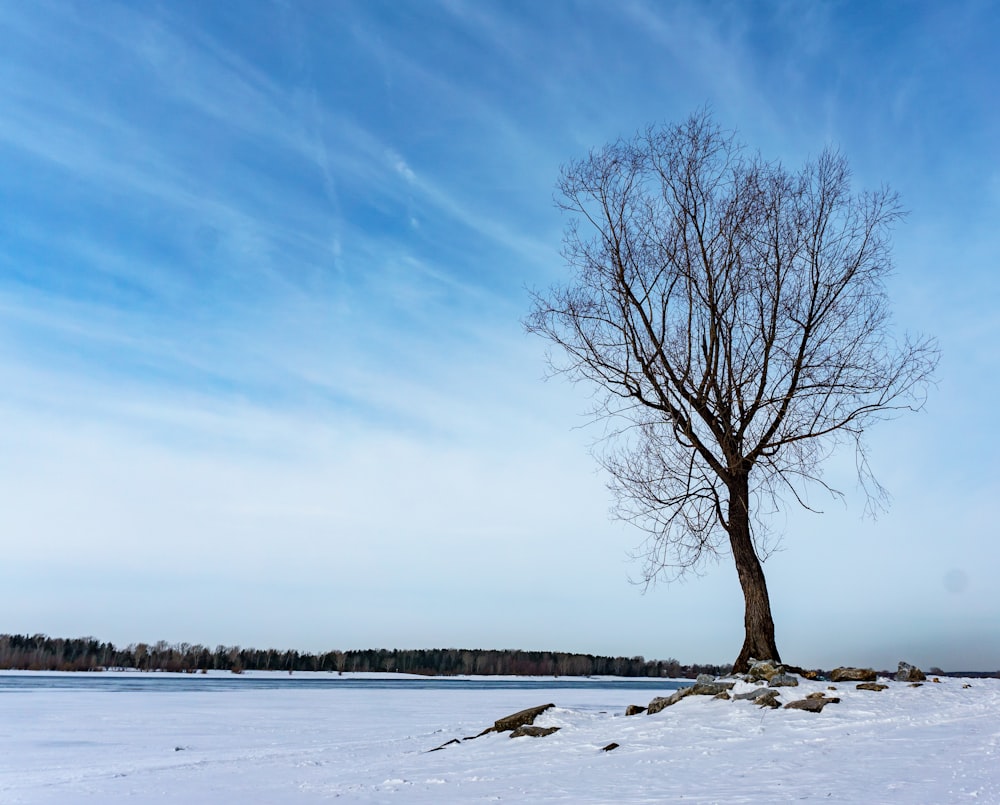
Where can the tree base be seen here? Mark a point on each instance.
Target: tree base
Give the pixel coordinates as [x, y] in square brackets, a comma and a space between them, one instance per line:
[755, 650]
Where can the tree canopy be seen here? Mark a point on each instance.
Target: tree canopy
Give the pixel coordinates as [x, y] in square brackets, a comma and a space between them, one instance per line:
[733, 319]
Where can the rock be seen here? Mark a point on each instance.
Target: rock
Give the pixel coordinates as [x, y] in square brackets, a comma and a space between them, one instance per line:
[909, 673]
[526, 730]
[870, 686]
[805, 674]
[750, 694]
[446, 743]
[768, 699]
[611, 746]
[763, 669]
[662, 702]
[724, 696]
[712, 688]
[966, 685]
[852, 675]
[480, 735]
[817, 695]
[936, 679]
[634, 710]
[916, 684]
[783, 681]
[811, 705]
[522, 717]
[831, 687]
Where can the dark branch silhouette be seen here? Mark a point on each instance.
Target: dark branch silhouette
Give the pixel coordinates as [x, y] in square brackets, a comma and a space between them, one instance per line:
[733, 317]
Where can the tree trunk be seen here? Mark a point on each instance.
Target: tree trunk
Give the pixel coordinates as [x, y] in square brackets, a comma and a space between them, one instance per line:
[759, 642]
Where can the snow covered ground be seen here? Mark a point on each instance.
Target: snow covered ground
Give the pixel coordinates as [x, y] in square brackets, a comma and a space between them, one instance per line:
[939, 743]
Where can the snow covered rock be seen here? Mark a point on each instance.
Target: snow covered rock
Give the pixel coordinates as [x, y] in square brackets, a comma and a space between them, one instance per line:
[750, 694]
[768, 699]
[871, 686]
[520, 718]
[909, 673]
[663, 702]
[527, 730]
[783, 681]
[763, 669]
[811, 705]
[711, 688]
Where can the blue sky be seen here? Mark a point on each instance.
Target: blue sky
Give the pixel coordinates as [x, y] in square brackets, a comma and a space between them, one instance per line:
[262, 373]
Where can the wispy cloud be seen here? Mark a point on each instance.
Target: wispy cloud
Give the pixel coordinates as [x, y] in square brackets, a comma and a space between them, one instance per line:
[263, 269]
[285, 259]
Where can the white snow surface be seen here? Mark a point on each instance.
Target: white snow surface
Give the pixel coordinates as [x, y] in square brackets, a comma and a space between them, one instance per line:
[938, 743]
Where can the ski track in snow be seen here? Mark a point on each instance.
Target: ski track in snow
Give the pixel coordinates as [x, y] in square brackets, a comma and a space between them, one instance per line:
[934, 744]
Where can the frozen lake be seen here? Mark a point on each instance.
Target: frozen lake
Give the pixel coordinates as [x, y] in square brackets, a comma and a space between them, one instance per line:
[117, 682]
[270, 739]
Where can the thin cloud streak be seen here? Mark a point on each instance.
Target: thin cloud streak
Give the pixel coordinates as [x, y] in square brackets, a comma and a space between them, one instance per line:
[260, 298]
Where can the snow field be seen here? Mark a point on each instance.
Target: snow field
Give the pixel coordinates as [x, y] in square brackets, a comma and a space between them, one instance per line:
[939, 743]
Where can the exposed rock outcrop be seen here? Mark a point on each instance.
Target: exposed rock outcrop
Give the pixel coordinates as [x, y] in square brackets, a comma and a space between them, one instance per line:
[663, 702]
[909, 673]
[517, 724]
[852, 675]
[520, 718]
[712, 688]
[871, 686]
[634, 710]
[704, 685]
[803, 672]
[811, 705]
[446, 743]
[750, 694]
[763, 669]
[768, 699]
[527, 730]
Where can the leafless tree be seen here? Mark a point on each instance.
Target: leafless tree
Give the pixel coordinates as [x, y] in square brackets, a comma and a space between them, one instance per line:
[733, 318]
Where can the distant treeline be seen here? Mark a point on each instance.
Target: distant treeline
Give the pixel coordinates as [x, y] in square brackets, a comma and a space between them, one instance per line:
[43, 653]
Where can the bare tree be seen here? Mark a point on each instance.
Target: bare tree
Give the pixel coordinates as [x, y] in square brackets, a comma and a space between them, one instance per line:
[733, 318]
